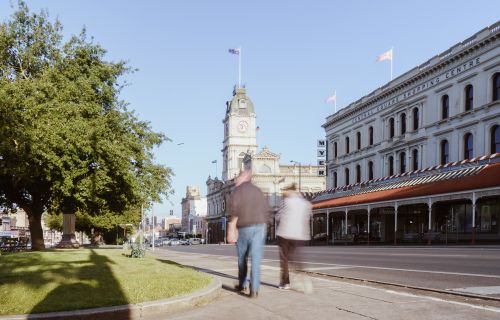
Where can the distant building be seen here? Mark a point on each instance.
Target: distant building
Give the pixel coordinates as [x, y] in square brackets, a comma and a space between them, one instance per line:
[239, 151]
[194, 210]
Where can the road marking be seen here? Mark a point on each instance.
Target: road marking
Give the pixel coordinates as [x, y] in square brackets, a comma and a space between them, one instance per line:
[386, 268]
[325, 268]
[429, 255]
[479, 290]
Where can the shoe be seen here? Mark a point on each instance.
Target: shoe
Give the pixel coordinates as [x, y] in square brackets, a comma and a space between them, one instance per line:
[285, 286]
[254, 294]
[239, 288]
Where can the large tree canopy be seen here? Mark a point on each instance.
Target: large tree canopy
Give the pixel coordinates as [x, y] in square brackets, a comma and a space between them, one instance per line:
[67, 142]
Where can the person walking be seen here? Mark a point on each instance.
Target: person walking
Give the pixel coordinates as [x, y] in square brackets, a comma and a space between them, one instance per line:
[250, 213]
[293, 232]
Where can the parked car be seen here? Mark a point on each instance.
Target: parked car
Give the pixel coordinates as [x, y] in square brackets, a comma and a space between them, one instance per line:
[195, 241]
[174, 242]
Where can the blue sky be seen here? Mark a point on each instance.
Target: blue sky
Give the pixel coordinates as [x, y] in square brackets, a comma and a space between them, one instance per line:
[295, 54]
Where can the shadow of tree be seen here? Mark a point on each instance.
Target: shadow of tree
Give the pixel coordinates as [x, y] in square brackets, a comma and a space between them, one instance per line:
[83, 282]
[93, 279]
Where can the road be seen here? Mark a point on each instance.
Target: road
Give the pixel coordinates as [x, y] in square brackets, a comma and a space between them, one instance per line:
[473, 270]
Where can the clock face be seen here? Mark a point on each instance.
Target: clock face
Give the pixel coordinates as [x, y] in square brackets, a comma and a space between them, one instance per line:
[242, 126]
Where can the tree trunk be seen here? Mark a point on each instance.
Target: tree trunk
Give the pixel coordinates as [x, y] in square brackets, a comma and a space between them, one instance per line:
[35, 220]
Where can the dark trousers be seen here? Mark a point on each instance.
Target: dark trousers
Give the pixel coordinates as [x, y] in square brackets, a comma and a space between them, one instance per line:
[289, 255]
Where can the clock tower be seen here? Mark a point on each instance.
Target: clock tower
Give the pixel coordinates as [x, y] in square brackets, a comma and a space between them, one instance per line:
[239, 133]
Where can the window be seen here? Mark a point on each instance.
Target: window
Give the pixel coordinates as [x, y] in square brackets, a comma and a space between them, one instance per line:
[468, 146]
[335, 179]
[358, 173]
[370, 170]
[358, 140]
[402, 162]
[403, 123]
[414, 155]
[391, 165]
[370, 136]
[391, 128]
[346, 145]
[346, 176]
[335, 150]
[444, 152]
[415, 119]
[495, 139]
[445, 107]
[469, 97]
[496, 86]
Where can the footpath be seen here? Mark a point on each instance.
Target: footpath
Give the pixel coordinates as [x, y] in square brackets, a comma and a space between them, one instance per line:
[330, 298]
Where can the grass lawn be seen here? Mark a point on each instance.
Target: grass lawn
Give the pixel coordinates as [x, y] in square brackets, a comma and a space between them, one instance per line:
[58, 280]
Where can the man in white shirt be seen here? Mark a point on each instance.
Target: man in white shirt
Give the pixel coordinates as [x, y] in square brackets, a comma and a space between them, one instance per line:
[293, 230]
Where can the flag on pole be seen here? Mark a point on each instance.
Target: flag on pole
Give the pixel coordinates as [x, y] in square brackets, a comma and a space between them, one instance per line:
[215, 161]
[332, 98]
[385, 56]
[234, 51]
[257, 129]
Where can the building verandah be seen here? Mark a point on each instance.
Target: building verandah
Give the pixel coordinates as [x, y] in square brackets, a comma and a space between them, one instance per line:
[454, 204]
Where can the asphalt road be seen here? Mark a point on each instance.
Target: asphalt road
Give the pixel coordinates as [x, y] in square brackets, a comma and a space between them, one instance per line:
[469, 269]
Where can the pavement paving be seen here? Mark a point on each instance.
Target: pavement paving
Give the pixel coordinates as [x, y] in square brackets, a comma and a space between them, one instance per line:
[330, 298]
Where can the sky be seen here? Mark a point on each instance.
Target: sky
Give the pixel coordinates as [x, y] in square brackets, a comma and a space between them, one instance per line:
[294, 55]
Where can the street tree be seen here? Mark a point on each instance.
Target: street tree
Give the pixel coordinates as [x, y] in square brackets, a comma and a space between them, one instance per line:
[68, 142]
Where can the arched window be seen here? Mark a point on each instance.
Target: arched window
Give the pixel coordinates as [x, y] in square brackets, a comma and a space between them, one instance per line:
[495, 139]
[469, 97]
[391, 165]
[445, 107]
[415, 119]
[496, 86]
[468, 146]
[391, 128]
[403, 123]
[358, 140]
[346, 176]
[335, 179]
[358, 173]
[370, 170]
[402, 162]
[346, 145]
[414, 155]
[444, 152]
[335, 150]
[370, 136]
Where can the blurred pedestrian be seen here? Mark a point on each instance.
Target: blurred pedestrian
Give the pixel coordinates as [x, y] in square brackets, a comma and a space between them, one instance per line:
[248, 227]
[293, 232]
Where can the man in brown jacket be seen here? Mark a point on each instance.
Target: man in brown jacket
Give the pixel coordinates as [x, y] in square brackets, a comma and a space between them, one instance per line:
[250, 214]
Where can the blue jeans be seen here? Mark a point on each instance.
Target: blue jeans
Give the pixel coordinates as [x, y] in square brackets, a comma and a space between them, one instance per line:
[250, 242]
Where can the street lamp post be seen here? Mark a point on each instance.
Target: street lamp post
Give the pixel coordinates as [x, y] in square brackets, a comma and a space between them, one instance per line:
[300, 171]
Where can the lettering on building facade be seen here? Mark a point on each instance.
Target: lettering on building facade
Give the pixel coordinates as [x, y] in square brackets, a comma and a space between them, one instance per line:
[455, 71]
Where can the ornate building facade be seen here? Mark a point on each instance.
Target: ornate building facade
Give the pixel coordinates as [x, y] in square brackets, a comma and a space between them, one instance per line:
[434, 118]
[239, 151]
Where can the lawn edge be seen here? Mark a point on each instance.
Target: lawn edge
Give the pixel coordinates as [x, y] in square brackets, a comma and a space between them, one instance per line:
[134, 311]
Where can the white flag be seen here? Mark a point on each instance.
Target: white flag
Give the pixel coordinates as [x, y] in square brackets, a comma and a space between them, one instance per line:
[385, 56]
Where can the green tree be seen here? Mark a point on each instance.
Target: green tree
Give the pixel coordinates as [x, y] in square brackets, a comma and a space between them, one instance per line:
[68, 143]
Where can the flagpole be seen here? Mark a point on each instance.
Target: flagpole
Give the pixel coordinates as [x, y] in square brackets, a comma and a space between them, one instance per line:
[392, 57]
[335, 102]
[239, 69]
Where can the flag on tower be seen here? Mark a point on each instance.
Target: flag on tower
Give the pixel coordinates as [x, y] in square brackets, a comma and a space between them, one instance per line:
[234, 51]
[331, 99]
[385, 56]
